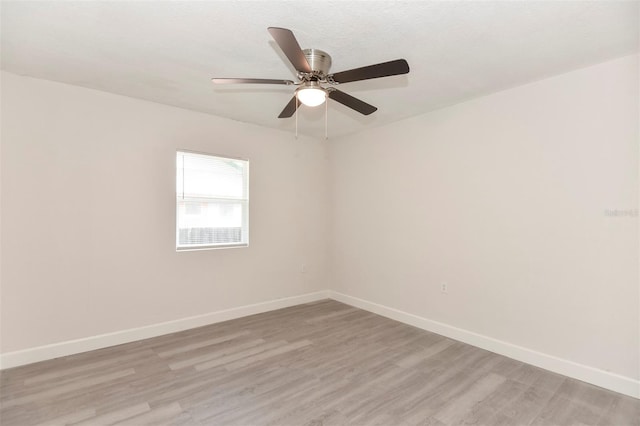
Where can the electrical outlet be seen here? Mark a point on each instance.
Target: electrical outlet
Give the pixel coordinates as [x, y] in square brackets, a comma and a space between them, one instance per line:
[444, 287]
[303, 268]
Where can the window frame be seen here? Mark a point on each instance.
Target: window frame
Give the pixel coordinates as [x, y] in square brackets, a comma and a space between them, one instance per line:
[244, 203]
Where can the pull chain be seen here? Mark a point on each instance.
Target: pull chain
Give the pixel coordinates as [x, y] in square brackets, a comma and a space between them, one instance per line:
[296, 117]
[326, 119]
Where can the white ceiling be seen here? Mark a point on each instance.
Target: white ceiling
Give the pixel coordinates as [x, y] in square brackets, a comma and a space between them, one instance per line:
[167, 51]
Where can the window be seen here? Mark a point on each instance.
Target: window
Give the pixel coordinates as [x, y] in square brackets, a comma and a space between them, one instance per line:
[212, 201]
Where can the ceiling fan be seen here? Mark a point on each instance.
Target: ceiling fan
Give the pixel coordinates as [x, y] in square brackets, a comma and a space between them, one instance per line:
[315, 83]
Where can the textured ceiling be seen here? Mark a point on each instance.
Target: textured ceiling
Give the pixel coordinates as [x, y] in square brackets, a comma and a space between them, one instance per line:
[167, 51]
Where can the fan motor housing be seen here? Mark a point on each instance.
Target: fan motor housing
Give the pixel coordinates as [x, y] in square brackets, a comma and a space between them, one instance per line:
[319, 61]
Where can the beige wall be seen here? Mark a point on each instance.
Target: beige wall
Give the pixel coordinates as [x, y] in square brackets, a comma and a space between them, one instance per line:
[88, 211]
[504, 199]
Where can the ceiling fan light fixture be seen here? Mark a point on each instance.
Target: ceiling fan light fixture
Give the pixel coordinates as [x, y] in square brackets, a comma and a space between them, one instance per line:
[311, 96]
[312, 67]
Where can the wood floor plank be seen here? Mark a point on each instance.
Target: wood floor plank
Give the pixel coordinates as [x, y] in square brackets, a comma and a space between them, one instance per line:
[528, 405]
[562, 411]
[200, 344]
[72, 418]
[67, 388]
[455, 409]
[485, 410]
[154, 416]
[413, 359]
[623, 411]
[192, 360]
[236, 356]
[116, 416]
[317, 364]
[74, 371]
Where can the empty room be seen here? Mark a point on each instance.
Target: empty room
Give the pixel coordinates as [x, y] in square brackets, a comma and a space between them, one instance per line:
[319, 213]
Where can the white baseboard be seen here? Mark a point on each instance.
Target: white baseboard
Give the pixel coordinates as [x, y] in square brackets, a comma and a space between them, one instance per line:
[604, 379]
[56, 350]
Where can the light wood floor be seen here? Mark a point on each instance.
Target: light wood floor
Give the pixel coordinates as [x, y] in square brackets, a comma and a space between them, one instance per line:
[323, 363]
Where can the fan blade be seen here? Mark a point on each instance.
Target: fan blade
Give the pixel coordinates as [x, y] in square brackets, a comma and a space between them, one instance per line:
[289, 45]
[351, 102]
[250, 81]
[290, 109]
[385, 69]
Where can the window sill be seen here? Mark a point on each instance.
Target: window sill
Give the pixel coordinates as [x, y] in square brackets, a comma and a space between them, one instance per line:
[215, 247]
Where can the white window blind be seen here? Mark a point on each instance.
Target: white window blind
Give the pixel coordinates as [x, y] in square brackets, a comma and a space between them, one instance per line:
[212, 201]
